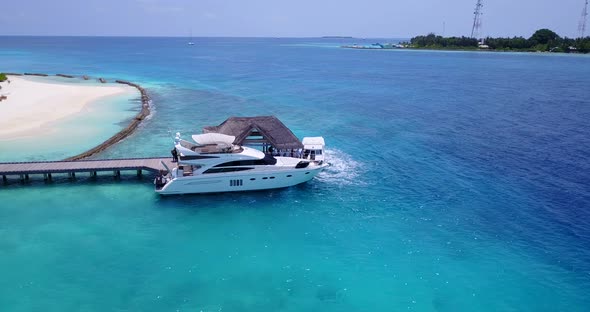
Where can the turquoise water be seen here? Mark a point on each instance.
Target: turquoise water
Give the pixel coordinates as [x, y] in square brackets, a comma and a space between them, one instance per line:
[459, 182]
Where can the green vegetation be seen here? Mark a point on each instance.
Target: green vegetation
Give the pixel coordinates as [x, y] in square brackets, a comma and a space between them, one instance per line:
[543, 40]
[438, 42]
[3, 77]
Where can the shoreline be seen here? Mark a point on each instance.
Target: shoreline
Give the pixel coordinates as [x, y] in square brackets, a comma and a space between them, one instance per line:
[124, 133]
[466, 50]
[32, 105]
[79, 98]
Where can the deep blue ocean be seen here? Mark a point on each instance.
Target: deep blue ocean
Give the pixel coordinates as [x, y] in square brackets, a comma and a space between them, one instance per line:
[460, 181]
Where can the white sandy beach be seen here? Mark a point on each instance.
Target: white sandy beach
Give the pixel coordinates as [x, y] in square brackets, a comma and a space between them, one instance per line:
[32, 103]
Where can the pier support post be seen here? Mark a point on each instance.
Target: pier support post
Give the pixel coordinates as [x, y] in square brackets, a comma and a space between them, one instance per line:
[26, 177]
[93, 174]
[47, 177]
[139, 173]
[22, 178]
[72, 175]
[4, 179]
[117, 173]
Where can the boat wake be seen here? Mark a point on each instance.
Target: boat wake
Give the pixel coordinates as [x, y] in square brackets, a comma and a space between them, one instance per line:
[343, 170]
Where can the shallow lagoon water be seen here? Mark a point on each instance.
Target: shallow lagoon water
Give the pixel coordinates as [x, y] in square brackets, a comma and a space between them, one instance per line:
[458, 182]
[77, 133]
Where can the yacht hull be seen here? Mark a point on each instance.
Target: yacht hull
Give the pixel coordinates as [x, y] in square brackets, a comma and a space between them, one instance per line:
[239, 182]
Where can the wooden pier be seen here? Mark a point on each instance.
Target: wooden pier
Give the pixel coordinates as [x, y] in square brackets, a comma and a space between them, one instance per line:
[71, 168]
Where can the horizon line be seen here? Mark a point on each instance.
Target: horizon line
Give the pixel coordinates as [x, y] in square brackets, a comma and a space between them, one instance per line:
[174, 36]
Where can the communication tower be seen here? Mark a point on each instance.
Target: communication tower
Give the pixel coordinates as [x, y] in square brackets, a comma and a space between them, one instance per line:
[477, 19]
[582, 25]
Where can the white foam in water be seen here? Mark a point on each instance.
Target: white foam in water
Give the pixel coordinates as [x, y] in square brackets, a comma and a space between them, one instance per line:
[153, 111]
[343, 170]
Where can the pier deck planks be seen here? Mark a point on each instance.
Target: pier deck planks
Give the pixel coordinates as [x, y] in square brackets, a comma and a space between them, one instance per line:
[43, 167]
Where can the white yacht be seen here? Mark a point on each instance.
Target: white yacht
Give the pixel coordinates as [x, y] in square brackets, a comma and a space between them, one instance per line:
[213, 163]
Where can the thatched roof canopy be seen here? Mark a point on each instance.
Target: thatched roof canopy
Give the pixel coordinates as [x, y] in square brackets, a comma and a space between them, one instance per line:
[269, 127]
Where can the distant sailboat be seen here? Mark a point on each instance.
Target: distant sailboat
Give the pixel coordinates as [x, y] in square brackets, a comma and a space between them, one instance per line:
[190, 42]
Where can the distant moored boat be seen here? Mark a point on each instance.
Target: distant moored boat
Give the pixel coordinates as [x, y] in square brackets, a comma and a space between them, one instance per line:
[190, 41]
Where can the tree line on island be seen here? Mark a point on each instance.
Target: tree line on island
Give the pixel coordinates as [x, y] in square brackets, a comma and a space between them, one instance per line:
[2, 79]
[543, 40]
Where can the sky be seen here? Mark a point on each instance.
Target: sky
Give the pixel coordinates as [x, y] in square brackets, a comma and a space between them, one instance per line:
[281, 18]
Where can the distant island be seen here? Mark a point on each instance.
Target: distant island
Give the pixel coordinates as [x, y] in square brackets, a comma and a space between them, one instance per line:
[337, 37]
[543, 40]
